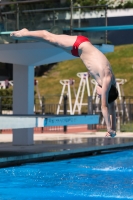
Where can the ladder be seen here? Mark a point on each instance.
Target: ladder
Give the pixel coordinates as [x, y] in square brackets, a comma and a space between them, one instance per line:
[3, 86]
[66, 89]
[95, 97]
[120, 83]
[81, 91]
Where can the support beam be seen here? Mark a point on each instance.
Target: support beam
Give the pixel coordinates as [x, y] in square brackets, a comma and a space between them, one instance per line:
[23, 101]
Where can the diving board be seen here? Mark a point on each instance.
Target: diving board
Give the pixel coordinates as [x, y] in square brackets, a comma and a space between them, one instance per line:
[6, 32]
[94, 28]
[103, 28]
[31, 121]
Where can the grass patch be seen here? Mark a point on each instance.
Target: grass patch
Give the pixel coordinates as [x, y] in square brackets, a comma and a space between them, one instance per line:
[126, 127]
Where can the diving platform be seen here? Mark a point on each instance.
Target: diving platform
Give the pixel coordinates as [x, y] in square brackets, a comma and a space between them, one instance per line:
[25, 56]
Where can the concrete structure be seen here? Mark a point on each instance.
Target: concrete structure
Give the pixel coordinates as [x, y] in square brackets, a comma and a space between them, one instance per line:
[51, 147]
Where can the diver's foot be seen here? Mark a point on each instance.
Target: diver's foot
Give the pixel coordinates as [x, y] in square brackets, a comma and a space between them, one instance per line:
[19, 34]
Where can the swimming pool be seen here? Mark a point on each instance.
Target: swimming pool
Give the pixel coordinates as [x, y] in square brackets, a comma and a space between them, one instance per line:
[107, 176]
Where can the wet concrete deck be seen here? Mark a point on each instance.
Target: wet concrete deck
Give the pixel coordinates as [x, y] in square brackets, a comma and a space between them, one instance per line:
[50, 147]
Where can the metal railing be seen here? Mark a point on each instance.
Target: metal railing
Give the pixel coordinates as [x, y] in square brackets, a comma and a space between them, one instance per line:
[34, 16]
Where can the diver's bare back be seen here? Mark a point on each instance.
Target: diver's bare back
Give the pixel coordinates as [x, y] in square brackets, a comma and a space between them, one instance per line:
[95, 61]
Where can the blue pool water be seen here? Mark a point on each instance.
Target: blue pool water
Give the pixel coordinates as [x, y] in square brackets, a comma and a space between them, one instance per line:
[101, 177]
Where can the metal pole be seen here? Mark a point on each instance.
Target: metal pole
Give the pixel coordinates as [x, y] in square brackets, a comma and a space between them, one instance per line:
[79, 20]
[0, 106]
[53, 17]
[6, 22]
[90, 110]
[17, 17]
[106, 23]
[71, 19]
[43, 111]
[65, 110]
[43, 105]
[123, 108]
[118, 128]
[0, 110]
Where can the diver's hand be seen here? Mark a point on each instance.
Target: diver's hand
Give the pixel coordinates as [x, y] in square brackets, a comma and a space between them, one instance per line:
[111, 133]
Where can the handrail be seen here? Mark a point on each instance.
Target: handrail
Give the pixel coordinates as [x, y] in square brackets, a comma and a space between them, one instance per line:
[46, 10]
[20, 2]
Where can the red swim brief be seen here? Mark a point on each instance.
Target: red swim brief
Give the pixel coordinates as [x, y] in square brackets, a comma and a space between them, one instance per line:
[80, 39]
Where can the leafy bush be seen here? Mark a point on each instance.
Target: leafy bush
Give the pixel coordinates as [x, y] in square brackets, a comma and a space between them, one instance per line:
[6, 99]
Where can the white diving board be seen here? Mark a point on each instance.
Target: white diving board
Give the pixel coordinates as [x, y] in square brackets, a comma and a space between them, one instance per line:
[19, 122]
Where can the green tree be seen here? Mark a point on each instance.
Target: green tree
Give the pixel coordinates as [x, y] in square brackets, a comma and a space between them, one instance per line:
[128, 4]
[89, 2]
